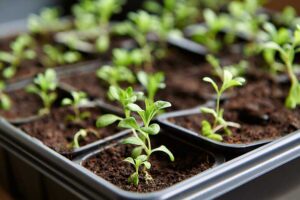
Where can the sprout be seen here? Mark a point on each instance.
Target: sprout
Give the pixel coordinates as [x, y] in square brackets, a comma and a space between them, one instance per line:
[152, 83]
[141, 135]
[287, 53]
[48, 21]
[115, 75]
[220, 123]
[55, 56]
[82, 134]
[236, 69]
[90, 15]
[78, 99]
[21, 49]
[280, 36]
[44, 85]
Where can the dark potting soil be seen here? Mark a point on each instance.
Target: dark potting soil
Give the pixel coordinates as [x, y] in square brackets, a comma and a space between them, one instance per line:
[258, 108]
[23, 105]
[55, 131]
[188, 162]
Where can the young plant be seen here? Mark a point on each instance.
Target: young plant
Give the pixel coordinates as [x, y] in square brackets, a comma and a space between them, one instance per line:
[141, 135]
[280, 37]
[287, 53]
[55, 56]
[21, 49]
[90, 15]
[81, 134]
[288, 17]
[152, 83]
[122, 57]
[115, 75]
[141, 24]
[238, 69]
[5, 102]
[215, 24]
[211, 130]
[47, 22]
[78, 99]
[44, 85]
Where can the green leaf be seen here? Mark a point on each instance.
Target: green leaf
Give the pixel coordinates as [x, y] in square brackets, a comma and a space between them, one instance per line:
[162, 105]
[293, 99]
[136, 152]
[106, 120]
[215, 137]
[5, 102]
[129, 160]
[134, 107]
[165, 150]
[147, 164]
[66, 102]
[153, 129]
[206, 128]
[209, 80]
[129, 123]
[208, 110]
[134, 141]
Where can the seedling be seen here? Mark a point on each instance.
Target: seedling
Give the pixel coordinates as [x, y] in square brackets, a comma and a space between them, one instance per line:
[208, 34]
[287, 53]
[55, 56]
[21, 49]
[141, 135]
[44, 85]
[141, 24]
[92, 15]
[115, 75]
[211, 130]
[280, 37]
[152, 83]
[78, 99]
[180, 12]
[126, 58]
[47, 22]
[5, 102]
[246, 18]
[235, 69]
[82, 134]
[288, 17]
[124, 97]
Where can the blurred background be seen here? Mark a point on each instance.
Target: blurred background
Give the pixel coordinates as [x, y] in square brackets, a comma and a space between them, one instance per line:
[19, 9]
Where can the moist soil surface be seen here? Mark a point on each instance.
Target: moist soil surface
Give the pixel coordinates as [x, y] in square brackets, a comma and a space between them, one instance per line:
[55, 131]
[259, 109]
[188, 162]
[23, 105]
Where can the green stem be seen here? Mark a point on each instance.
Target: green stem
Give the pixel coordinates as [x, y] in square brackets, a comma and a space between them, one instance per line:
[217, 109]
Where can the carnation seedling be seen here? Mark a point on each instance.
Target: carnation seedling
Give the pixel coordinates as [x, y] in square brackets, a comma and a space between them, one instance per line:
[126, 58]
[235, 69]
[152, 83]
[141, 24]
[280, 36]
[288, 17]
[82, 134]
[208, 34]
[115, 75]
[91, 15]
[78, 99]
[44, 85]
[141, 135]
[5, 102]
[55, 56]
[212, 130]
[287, 53]
[47, 22]
[21, 49]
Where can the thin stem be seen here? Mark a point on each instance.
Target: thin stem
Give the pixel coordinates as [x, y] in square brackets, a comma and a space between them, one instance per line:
[217, 108]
